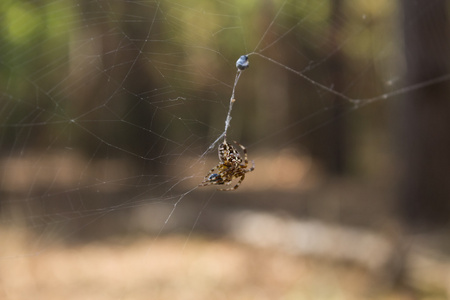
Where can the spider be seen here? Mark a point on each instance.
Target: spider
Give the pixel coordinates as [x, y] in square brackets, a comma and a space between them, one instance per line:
[231, 165]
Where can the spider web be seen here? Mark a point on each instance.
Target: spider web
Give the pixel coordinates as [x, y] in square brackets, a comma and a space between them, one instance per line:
[112, 110]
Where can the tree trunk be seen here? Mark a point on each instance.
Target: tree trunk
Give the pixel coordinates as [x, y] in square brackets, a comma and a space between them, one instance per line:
[336, 159]
[425, 115]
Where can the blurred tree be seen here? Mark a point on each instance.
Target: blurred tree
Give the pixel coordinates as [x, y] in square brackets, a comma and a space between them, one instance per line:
[425, 122]
[336, 134]
[118, 93]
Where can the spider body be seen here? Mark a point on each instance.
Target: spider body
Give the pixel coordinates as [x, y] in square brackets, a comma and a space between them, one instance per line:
[231, 165]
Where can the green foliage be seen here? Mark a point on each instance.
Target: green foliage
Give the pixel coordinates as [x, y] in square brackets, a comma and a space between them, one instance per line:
[67, 58]
[35, 35]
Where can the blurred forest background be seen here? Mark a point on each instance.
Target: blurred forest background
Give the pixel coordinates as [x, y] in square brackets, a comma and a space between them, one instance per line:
[107, 109]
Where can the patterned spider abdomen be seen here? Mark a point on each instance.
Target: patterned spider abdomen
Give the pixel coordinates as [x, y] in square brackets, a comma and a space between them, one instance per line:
[228, 155]
[231, 166]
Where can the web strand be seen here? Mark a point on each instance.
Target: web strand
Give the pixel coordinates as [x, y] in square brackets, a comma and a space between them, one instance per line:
[111, 98]
[228, 118]
[232, 100]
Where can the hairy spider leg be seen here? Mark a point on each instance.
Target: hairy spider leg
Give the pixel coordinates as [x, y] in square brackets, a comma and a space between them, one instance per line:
[244, 150]
[237, 184]
[205, 181]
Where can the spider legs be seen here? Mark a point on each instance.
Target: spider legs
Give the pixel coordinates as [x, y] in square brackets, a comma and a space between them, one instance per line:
[231, 166]
[244, 150]
[208, 178]
[252, 168]
[236, 186]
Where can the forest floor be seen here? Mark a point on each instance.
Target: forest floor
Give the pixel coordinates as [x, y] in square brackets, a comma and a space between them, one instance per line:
[177, 267]
[274, 238]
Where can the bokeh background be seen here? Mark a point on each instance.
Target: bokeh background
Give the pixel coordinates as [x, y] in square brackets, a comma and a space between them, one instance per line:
[108, 115]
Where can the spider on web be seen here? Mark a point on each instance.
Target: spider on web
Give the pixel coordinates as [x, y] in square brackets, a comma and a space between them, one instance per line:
[231, 166]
